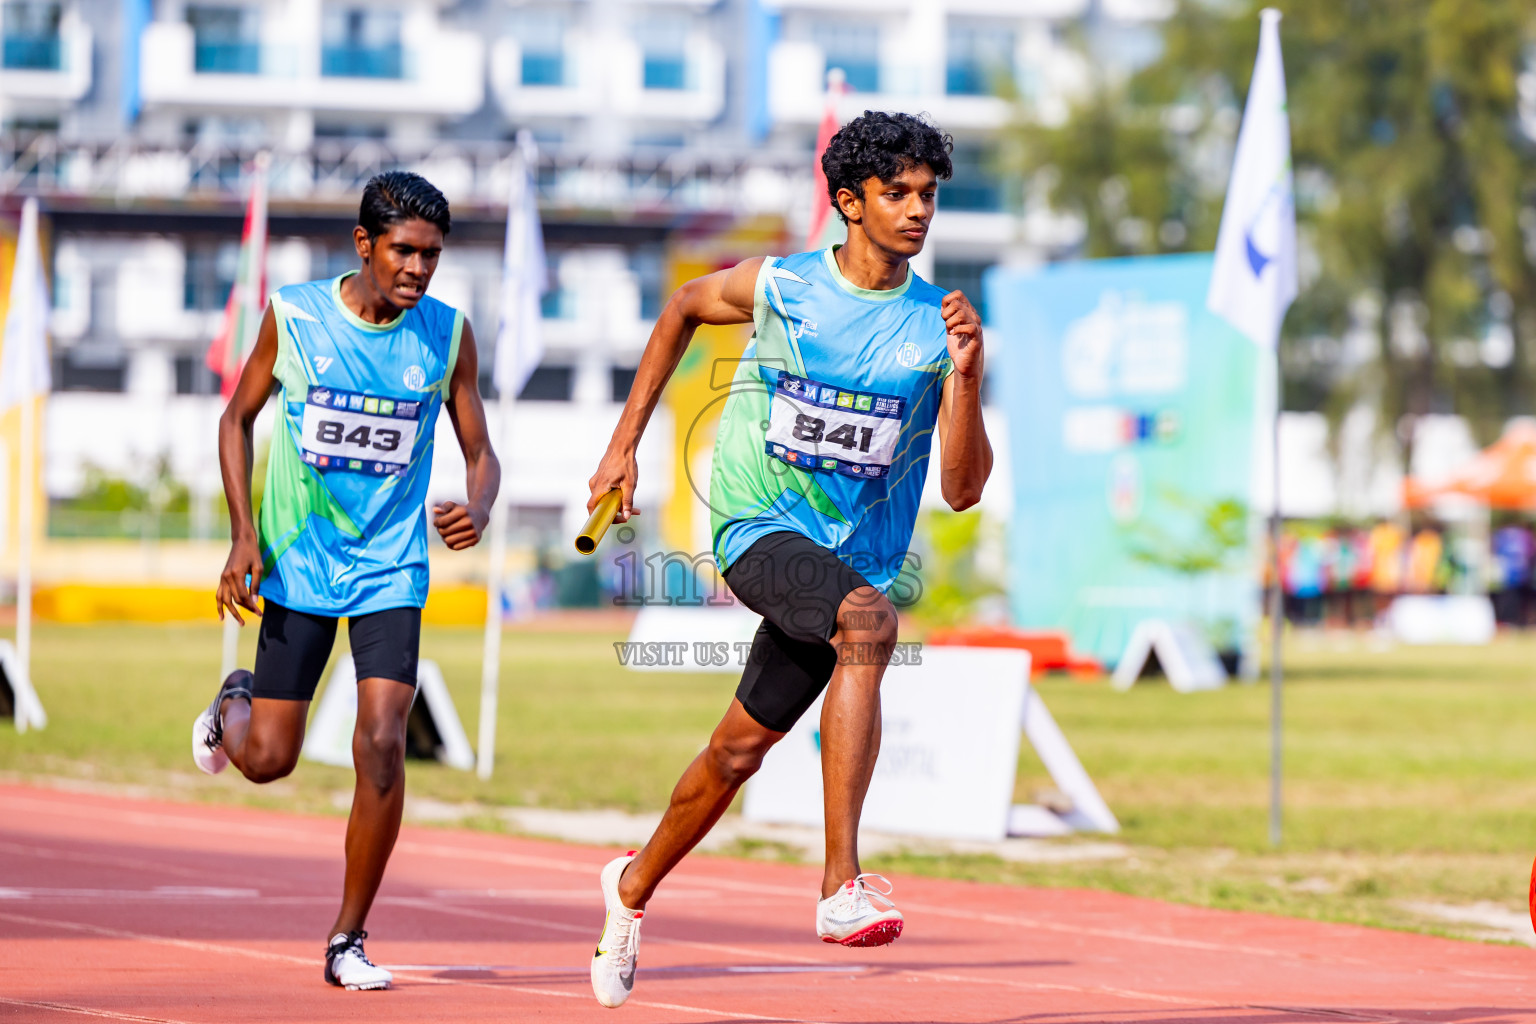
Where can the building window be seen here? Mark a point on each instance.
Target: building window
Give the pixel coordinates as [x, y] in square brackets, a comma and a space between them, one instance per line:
[557, 303]
[77, 370]
[549, 384]
[649, 267]
[209, 276]
[973, 187]
[226, 40]
[362, 42]
[979, 59]
[853, 47]
[31, 36]
[620, 380]
[966, 276]
[662, 43]
[541, 35]
[194, 378]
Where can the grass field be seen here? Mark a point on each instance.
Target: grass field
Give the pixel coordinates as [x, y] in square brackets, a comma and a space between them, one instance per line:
[1411, 773]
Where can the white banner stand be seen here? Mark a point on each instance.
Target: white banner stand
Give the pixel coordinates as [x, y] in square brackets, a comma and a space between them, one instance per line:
[329, 740]
[26, 709]
[948, 756]
[1183, 652]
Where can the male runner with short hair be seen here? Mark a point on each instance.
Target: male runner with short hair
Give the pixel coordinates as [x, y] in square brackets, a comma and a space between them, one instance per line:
[365, 361]
[819, 463]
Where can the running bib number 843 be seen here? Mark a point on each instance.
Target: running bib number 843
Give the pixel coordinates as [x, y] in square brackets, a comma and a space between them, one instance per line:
[341, 429]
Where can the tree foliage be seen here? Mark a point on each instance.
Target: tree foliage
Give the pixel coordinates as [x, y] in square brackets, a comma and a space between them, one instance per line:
[1412, 124]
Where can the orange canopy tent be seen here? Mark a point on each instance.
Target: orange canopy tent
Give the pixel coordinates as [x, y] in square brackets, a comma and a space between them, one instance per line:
[1502, 476]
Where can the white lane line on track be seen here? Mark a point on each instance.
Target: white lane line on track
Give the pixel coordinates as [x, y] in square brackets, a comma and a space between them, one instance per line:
[1007, 920]
[214, 947]
[159, 892]
[86, 1011]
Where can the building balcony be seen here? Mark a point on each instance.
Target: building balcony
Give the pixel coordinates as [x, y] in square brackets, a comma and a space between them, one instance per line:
[439, 72]
[47, 69]
[589, 75]
[797, 75]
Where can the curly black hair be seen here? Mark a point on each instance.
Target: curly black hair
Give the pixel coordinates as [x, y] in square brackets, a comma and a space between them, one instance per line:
[877, 144]
[396, 196]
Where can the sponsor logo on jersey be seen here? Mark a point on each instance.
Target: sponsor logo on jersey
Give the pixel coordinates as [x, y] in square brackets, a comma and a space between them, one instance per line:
[323, 363]
[792, 457]
[828, 463]
[310, 457]
[386, 407]
[370, 405]
[416, 378]
[324, 460]
[828, 395]
[844, 400]
[862, 403]
[803, 329]
[778, 449]
[321, 396]
[792, 384]
[354, 401]
[355, 464]
[908, 354]
[407, 408]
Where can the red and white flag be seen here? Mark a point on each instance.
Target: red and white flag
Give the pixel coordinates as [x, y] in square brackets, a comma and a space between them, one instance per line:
[823, 230]
[248, 297]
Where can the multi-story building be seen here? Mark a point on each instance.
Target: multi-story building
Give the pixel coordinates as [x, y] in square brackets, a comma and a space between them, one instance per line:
[136, 121]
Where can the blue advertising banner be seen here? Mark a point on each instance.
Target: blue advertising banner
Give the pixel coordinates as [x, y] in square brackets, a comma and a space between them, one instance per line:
[1130, 416]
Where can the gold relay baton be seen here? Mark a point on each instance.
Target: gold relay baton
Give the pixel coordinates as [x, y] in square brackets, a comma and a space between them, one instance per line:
[598, 523]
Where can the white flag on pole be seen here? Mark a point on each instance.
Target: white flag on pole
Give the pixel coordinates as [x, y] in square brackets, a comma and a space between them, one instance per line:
[1254, 279]
[525, 278]
[24, 354]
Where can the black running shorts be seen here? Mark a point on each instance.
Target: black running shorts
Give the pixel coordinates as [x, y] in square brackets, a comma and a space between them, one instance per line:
[293, 647]
[797, 586]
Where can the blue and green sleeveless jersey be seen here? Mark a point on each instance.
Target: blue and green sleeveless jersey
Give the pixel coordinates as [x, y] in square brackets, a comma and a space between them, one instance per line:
[827, 428]
[343, 520]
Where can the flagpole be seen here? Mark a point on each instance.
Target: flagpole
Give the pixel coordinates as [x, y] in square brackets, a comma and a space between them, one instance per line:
[1276, 624]
[511, 321]
[24, 518]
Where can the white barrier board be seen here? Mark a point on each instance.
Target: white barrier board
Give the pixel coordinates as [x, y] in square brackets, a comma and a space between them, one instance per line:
[329, 739]
[1182, 650]
[1442, 619]
[689, 639]
[948, 755]
[26, 709]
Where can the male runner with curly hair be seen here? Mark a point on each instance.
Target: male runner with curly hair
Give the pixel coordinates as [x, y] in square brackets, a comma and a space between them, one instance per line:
[818, 466]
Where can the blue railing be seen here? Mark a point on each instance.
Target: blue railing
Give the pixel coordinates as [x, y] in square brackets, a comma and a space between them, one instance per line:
[351, 61]
[670, 72]
[543, 69]
[227, 58]
[32, 52]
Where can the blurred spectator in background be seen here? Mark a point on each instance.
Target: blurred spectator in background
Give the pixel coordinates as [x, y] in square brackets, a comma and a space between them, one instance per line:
[1513, 548]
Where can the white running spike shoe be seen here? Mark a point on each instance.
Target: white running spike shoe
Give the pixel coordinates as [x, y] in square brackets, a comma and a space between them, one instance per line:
[848, 916]
[618, 948]
[208, 730]
[348, 967]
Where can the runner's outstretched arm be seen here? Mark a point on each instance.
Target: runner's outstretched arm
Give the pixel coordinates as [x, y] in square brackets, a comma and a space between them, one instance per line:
[965, 454]
[461, 525]
[235, 458]
[724, 297]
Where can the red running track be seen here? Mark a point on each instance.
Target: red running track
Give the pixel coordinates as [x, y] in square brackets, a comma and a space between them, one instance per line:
[119, 910]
